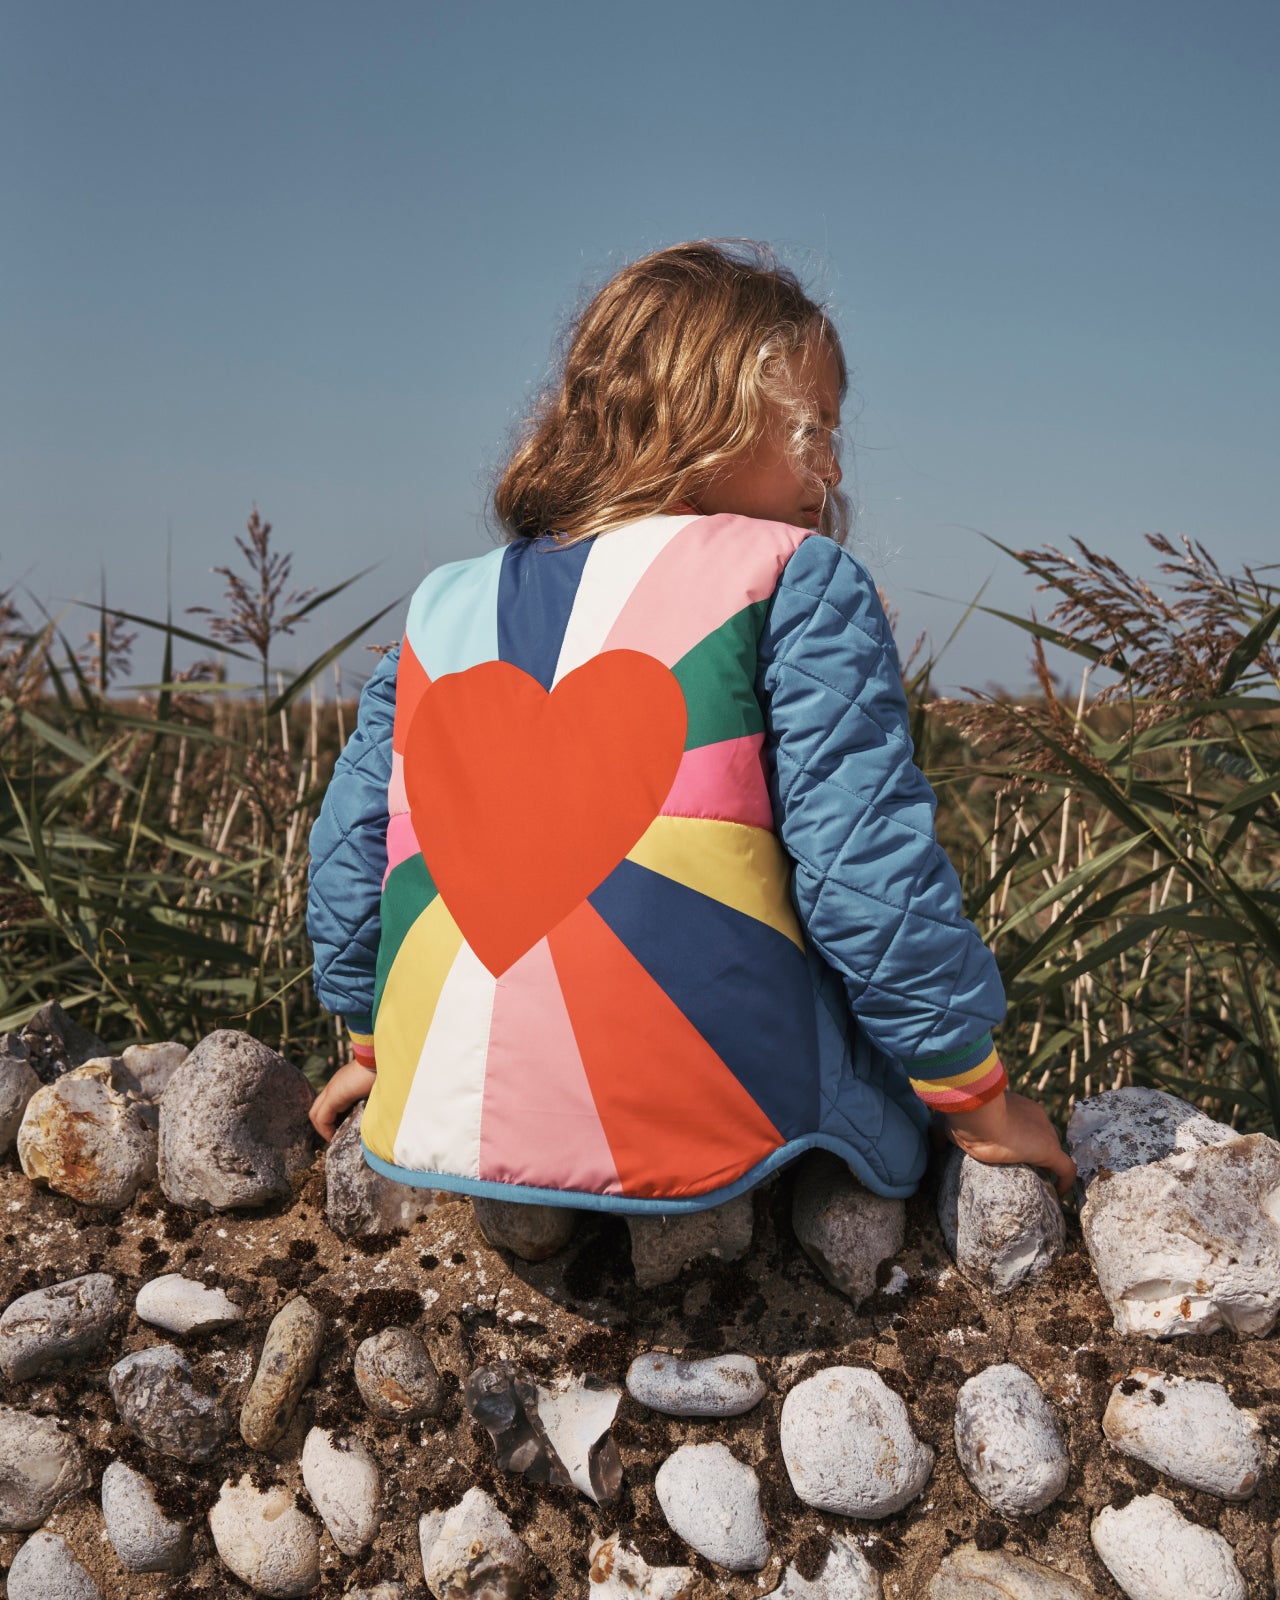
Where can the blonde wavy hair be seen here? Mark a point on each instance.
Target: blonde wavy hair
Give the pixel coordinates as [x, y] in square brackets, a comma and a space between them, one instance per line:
[673, 370]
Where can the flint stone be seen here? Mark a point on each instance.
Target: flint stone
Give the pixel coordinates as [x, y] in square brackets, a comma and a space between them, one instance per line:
[150, 1066]
[472, 1551]
[264, 1538]
[844, 1229]
[345, 1485]
[1154, 1553]
[359, 1202]
[531, 1232]
[396, 1376]
[712, 1500]
[848, 1444]
[155, 1396]
[1126, 1128]
[45, 1569]
[141, 1535]
[1191, 1243]
[972, 1574]
[39, 1465]
[88, 1138]
[620, 1572]
[663, 1246]
[55, 1044]
[64, 1322]
[576, 1415]
[1002, 1225]
[288, 1360]
[722, 1386]
[234, 1127]
[846, 1574]
[1008, 1442]
[184, 1305]
[1187, 1429]
[17, 1084]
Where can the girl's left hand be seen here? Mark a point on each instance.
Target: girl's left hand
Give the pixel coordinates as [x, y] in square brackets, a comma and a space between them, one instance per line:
[348, 1084]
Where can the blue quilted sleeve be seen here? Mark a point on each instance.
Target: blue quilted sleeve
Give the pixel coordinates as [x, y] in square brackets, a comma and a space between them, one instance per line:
[349, 857]
[875, 890]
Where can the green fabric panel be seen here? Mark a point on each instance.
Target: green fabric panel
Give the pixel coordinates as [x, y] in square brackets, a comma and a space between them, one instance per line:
[718, 678]
[408, 892]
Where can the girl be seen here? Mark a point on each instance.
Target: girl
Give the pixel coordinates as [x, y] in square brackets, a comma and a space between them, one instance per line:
[626, 884]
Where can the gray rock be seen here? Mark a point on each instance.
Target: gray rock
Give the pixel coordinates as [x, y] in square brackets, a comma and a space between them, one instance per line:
[712, 1500]
[1187, 1429]
[359, 1202]
[264, 1538]
[45, 1569]
[155, 1396]
[55, 1044]
[1154, 1553]
[17, 1084]
[663, 1246]
[64, 1322]
[345, 1487]
[972, 1574]
[846, 1574]
[141, 1535]
[1008, 1442]
[531, 1232]
[1191, 1243]
[844, 1229]
[39, 1465]
[184, 1305]
[472, 1551]
[722, 1386]
[288, 1360]
[620, 1572]
[150, 1066]
[1003, 1225]
[1126, 1128]
[234, 1127]
[396, 1376]
[848, 1444]
[88, 1138]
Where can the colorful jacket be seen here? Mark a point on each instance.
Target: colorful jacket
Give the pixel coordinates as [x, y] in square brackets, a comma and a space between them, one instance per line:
[628, 882]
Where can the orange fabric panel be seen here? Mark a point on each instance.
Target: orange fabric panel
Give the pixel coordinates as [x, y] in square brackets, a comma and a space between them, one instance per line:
[411, 684]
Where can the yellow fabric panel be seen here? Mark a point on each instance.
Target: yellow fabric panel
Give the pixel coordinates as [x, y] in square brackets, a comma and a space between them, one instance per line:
[408, 1004]
[740, 866]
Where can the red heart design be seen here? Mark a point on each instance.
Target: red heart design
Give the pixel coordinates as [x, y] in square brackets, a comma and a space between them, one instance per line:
[524, 801]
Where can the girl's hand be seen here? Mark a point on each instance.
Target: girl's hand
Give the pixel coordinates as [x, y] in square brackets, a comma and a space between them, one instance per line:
[348, 1084]
[1011, 1129]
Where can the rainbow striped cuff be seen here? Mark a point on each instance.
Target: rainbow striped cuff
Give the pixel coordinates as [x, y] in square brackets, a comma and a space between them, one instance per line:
[964, 1091]
[362, 1046]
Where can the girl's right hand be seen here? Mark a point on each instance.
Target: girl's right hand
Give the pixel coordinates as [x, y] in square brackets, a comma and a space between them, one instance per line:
[348, 1084]
[1012, 1129]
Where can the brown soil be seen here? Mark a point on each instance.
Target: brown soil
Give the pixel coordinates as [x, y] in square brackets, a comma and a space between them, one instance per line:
[582, 1312]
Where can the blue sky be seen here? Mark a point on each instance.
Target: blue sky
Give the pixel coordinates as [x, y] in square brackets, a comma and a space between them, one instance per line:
[314, 256]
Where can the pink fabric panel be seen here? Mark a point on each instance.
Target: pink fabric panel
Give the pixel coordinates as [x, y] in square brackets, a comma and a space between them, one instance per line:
[539, 1125]
[402, 842]
[397, 799]
[694, 585]
[723, 781]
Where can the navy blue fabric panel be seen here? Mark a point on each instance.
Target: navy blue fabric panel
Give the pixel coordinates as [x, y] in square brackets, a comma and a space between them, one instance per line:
[535, 596]
[743, 985]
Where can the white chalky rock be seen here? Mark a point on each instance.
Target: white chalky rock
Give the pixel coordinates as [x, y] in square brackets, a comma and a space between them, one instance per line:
[576, 1414]
[844, 1229]
[972, 1574]
[721, 1386]
[359, 1202]
[619, 1572]
[345, 1487]
[1190, 1244]
[846, 1574]
[1126, 1128]
[1187, 1429]
[1154, 1553]
[472, 1551]
[141, 1535]
[848, 1444]
[183, 1305]
[64, 1322]
[1008, 1442]
[44, 1569]
[1002, 1225]
[663, 1246]
[264, 1538]
[17, 1084]
[39, 1465]
[712, 1500]
[88, 1137]
[152, 1065]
